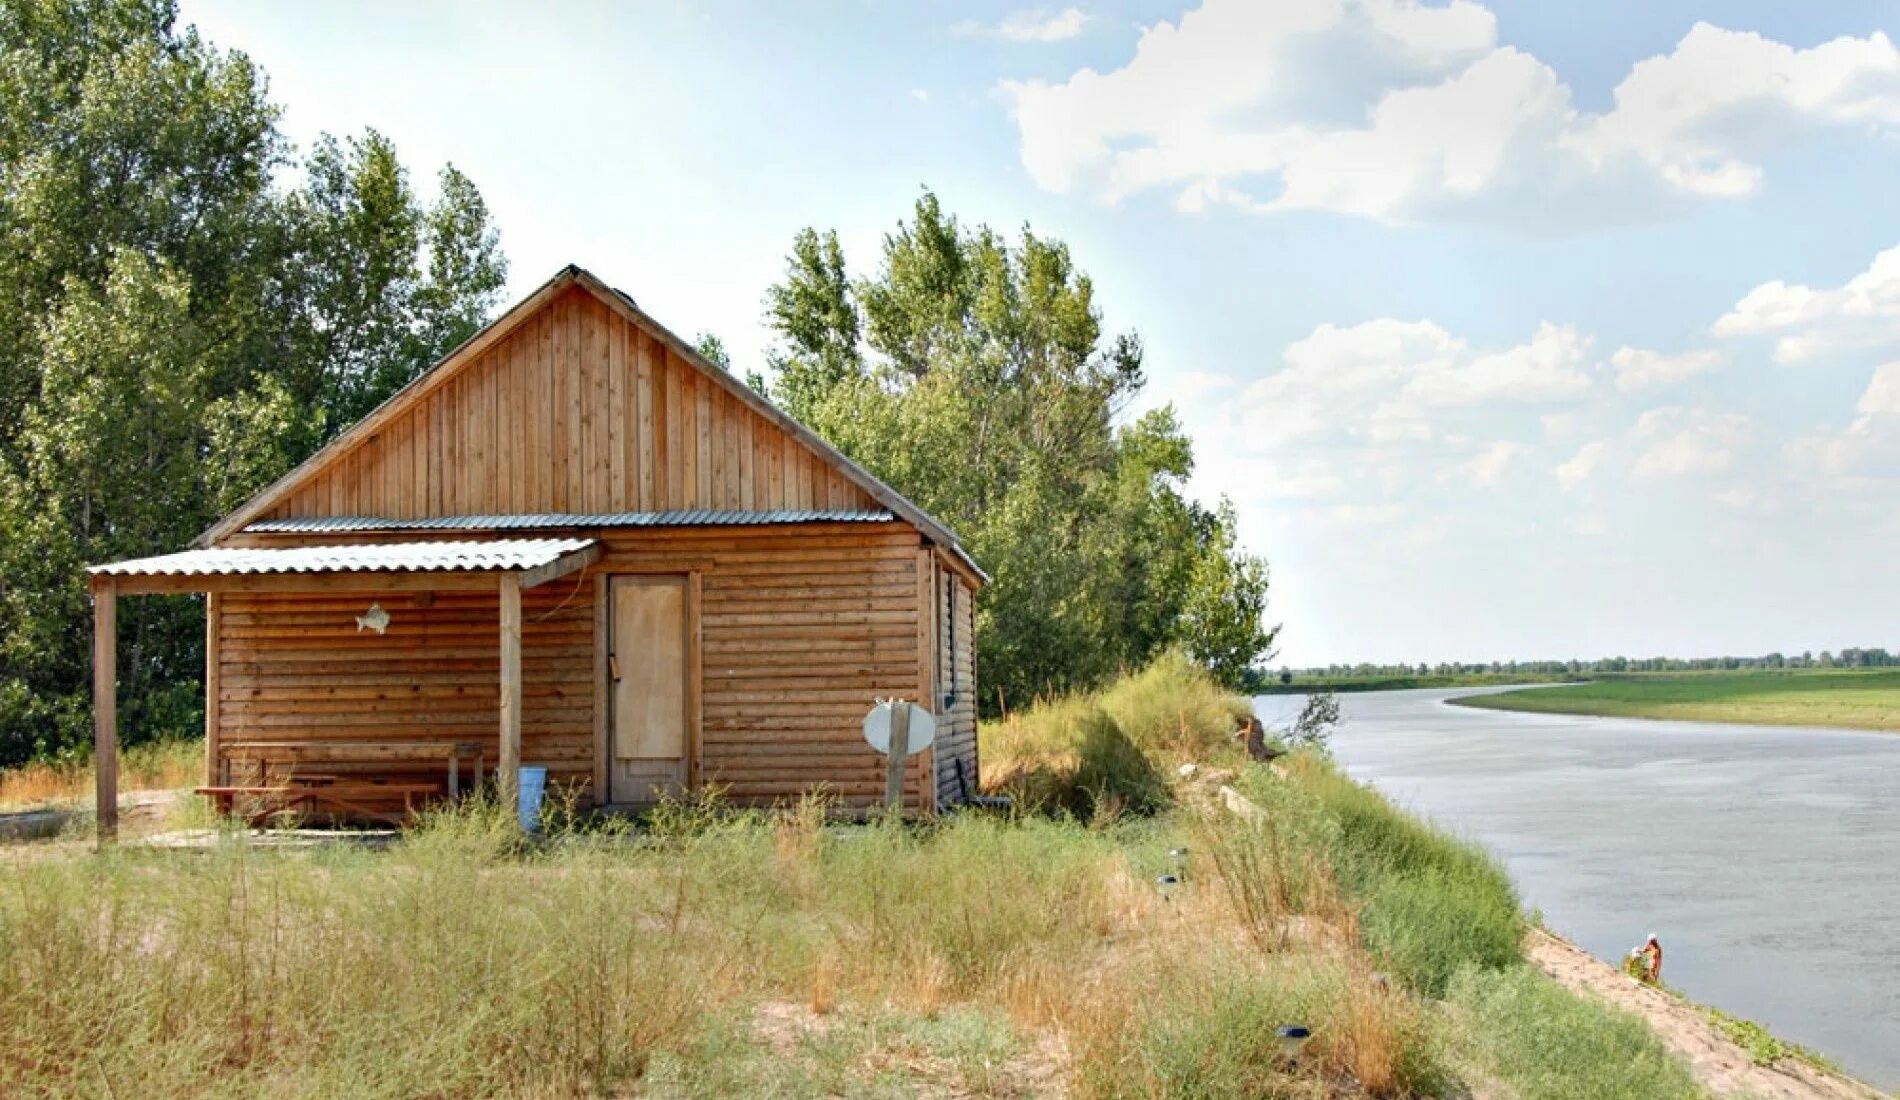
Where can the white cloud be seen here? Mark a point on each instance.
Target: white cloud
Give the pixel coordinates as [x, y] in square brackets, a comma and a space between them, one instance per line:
[1487, 468]
[1869, 447]
[1695, 114]
[1389, 381]
[1548, 368]
[1399, 111]
[1883, 392]
[1685, 442]
[1032, 25]
[1581, 465]
[1863, 312]
[921, 95]
[1639, 369]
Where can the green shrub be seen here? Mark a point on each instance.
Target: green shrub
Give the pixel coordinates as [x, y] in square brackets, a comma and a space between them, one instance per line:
[1545, 1043]
[1429, 903]
[1425, 924]
[1108, 752]
[1173, 710]
[1206, 1026]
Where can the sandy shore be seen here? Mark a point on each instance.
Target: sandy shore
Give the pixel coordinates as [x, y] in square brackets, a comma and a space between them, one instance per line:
[1722, 1067]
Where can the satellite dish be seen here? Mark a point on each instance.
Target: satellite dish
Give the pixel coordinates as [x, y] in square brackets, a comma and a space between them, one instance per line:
[877, 729]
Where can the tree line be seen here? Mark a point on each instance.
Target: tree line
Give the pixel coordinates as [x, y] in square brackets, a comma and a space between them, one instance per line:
[189, 306]
[1849, 658]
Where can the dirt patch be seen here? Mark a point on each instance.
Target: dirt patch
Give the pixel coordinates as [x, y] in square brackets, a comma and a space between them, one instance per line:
[1718, 1063]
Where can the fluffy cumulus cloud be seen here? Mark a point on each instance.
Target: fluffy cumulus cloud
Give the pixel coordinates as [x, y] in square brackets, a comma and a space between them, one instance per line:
[1869, 447]
[1807, 323]
[1394, 110]
[1676, 441]
[1032, 25]
[1486, 469]
[1389, 380]
[1578, 468]
[1357, 420]
[1641, 369]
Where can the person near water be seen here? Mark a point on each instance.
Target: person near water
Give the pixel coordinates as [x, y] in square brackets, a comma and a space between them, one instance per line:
[1651, 955]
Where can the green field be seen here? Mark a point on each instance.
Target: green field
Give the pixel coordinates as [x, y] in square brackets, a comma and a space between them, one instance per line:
[1850, 700]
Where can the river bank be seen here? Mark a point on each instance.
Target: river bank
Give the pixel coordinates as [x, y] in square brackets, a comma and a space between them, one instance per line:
[1862, 699]
[1704, 833]
[1721, 1064]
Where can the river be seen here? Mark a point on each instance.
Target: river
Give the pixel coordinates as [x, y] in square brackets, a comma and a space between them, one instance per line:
[1766, 859]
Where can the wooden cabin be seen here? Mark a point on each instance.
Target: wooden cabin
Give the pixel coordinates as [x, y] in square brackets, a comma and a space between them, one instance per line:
[573, 543]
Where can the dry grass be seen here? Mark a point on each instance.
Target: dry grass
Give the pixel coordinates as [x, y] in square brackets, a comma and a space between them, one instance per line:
[158, 766]
[1109, 752]
[715, 953]
[961, 959]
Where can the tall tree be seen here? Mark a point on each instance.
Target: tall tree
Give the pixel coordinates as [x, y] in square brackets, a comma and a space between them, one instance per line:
[176, 329]
[973, 373]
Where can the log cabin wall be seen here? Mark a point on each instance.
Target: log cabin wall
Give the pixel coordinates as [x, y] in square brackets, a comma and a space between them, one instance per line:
[296, 668]
[575, 410]
[956, 676]
[803, 627]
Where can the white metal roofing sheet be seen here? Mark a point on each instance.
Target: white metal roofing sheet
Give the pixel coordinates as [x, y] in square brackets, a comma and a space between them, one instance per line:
[487, 555]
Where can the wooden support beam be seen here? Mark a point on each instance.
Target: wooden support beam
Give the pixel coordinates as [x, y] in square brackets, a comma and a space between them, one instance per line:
[508, 774]
[561, 566]
[105, 707]
[213, 691]
[695, 679]
[603, 608]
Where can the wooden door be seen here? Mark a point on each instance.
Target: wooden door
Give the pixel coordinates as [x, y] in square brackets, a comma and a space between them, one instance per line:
[650, 659]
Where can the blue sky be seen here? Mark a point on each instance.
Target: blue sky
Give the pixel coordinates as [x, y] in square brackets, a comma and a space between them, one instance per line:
[1512, 329]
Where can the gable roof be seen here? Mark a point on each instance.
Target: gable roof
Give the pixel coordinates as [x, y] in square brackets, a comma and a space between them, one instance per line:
[621, 304]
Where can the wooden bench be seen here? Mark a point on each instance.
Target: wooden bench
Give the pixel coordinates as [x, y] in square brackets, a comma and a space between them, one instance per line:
[271, 763]
[357, 800]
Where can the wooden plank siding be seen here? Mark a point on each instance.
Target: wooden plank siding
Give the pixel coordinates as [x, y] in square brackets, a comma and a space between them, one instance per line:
[575, 410]
[294, 667]
[956, 672]
[802, 628]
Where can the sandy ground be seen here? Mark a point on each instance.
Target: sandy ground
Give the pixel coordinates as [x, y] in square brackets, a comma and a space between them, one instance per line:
[139, 811]
[1724, 1068]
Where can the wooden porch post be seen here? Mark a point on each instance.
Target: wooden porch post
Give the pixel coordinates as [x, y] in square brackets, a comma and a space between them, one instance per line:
[105, 706]
[213, 688]
[508, 775]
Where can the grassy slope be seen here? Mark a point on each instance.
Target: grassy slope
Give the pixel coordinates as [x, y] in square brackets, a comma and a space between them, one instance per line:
[714, 954]
[1853, 700]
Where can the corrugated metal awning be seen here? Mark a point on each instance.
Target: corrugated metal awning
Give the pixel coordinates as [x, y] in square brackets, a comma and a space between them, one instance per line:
[522, 521]
[536, 560]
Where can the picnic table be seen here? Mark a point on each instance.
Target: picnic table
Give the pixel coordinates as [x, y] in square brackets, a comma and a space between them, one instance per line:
[327, 796]
[269, 763]
[361, 780]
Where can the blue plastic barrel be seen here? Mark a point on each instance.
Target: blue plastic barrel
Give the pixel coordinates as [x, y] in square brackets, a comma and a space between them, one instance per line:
[533, 784]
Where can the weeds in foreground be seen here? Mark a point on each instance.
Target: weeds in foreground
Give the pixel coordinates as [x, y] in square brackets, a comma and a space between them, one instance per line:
[1545, 1043]
[1430, 904]
[716, 952]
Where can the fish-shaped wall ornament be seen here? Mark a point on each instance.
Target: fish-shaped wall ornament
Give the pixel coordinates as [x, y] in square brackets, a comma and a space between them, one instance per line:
[374, 619]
